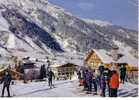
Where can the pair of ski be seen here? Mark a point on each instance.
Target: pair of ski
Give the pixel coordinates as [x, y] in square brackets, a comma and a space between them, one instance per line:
[53, 86]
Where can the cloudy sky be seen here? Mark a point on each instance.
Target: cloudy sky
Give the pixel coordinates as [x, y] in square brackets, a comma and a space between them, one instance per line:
[118, 12]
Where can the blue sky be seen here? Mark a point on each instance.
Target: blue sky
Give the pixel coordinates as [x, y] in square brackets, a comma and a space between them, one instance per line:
[118, 12]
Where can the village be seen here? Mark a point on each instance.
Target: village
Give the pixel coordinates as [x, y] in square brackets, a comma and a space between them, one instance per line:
[27, 69]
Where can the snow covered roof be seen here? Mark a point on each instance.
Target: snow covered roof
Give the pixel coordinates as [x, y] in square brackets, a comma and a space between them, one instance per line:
[126, 58]
[103, 55]
[65, 58]
[57, 63]
[77, 62]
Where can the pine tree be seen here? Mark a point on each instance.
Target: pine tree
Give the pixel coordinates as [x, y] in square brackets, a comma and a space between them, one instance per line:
[42, 72]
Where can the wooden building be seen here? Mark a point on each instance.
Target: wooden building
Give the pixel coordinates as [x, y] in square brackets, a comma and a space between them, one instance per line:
[15, 75]
[30, 71]
[96, 57]
[7, 65]
[65, 71]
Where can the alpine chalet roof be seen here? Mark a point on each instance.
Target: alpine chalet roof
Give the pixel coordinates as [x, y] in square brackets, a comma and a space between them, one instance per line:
[126, 58]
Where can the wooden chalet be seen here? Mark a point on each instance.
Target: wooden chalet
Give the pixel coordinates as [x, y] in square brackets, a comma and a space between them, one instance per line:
[7, 65]
[96, 57]
[65, 71]
[15, 75]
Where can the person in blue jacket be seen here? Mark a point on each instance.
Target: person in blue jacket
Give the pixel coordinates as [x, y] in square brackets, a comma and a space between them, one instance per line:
[101, 68]
[89, 81]
[102, 85]
[6, 80]
[84, 79]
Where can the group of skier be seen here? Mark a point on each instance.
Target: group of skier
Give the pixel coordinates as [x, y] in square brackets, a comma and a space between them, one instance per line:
[102, 79]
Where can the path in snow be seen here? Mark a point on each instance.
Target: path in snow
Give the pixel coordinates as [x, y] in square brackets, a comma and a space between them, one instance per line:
[68, 88]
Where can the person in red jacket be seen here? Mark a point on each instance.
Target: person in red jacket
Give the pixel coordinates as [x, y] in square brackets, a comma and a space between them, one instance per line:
[114, 83]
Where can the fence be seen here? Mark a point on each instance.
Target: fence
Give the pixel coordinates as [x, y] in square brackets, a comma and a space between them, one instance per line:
[132, 76]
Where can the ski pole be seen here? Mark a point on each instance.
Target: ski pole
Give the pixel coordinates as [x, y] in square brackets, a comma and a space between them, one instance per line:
[13, 94]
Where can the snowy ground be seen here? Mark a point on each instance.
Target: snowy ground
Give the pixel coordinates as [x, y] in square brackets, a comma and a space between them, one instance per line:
[67, 88]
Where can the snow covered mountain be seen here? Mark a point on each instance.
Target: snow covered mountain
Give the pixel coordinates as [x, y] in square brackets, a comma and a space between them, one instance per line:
[98, 22]
[39, 26]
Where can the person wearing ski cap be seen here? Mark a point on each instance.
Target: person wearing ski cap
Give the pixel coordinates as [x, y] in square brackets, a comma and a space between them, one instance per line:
[95, 76]
[50, 77]
[6, 80]
[107, 76]
[122, 73]
[101, 68]
[89, 80]
[114, 83]
[102, 85]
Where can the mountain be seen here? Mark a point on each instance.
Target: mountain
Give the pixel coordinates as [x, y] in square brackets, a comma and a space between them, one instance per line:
[41, 27]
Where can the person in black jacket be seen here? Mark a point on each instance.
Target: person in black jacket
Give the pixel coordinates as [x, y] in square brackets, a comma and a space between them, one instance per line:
[84, 78]
[101, 68]
[50, 77]
[6, 80]
[108, 80]
[122, 73]
[95, 85]
[79, 74]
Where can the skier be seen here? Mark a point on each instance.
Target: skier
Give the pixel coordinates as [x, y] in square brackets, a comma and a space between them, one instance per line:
[6, 80]
[84, 80]
[79, 75]
[114, 83]
[89, 76]
[101, 68]
[50, 77]
[108, 81]
[107, 75]
[95, 84]
[122, 73]
[102, 85]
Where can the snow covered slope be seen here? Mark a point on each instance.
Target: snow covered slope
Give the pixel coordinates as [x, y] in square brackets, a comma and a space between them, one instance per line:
[67, 88]
[37, 25]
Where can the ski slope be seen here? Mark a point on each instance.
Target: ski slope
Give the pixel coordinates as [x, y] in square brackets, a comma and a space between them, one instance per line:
[67, 88]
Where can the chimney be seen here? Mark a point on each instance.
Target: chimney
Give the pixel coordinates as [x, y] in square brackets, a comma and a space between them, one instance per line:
[114, 53]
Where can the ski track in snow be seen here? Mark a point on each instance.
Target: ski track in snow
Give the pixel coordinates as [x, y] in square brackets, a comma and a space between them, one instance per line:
[67, 88]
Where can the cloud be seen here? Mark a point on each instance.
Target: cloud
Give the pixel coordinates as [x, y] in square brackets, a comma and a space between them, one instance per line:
[86, 6]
